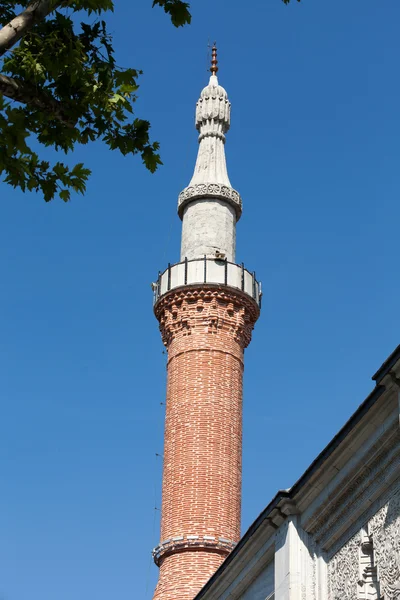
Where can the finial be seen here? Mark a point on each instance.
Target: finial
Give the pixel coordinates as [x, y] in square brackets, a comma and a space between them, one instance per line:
[214, 61]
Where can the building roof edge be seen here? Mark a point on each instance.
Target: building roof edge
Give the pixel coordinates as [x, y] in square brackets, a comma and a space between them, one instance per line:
[387, 365]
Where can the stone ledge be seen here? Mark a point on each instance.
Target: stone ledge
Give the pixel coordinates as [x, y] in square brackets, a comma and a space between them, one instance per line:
[210, 190]
[180, 543]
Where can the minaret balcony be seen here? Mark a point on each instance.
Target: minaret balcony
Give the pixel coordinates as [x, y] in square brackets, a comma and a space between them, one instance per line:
[207, 271]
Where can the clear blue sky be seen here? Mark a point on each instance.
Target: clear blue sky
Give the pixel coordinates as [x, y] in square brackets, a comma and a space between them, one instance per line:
[314, 151]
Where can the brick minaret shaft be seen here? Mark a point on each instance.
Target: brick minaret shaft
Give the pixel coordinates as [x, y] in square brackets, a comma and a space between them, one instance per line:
[207, 307]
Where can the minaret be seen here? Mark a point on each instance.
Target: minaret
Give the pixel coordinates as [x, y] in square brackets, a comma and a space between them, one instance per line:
[207, 306]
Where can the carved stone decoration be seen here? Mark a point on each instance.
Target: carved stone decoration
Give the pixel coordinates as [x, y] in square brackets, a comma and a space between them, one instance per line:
[210, 190]
[194, 310]
[343, 571]
[210, 178]
[384, 529]
[381, 463]
[213, 109]
[368, 565]
[368, 583]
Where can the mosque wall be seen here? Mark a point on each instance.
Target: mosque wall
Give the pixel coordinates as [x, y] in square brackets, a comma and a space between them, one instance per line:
[262, 587]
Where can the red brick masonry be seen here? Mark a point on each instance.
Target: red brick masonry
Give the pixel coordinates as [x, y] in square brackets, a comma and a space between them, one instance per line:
[205, 330]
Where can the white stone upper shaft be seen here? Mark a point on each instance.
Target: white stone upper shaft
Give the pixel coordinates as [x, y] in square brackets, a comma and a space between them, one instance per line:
[209, 216]
[213, 118]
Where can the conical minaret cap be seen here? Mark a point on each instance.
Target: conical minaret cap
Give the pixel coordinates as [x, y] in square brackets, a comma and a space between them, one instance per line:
[210, 178]
[213, 105]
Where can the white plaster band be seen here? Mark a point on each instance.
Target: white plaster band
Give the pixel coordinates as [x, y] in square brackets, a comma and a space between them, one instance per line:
[210, 190]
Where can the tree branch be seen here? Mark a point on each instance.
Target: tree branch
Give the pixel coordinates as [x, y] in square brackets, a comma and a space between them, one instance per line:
[36, 11]
[19, 90]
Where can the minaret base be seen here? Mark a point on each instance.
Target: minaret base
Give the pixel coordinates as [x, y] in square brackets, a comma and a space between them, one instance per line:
[182, 575]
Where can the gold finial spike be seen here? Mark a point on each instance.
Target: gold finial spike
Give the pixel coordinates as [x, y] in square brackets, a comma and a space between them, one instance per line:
[214, 61]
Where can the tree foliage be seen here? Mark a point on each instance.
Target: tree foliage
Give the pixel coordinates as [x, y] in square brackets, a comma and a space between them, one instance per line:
[60, 86]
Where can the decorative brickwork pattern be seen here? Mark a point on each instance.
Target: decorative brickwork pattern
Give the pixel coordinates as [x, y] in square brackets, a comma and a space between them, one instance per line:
[205, 330]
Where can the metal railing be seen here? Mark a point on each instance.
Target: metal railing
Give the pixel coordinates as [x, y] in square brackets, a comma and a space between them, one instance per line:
[207, 270]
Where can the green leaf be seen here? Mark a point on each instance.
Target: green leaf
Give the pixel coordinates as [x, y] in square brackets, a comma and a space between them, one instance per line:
[178, 11]
[65, 195]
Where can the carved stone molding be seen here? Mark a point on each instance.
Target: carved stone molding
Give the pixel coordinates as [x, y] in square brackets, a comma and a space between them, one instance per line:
[185, 311]
[384, 529]
[210, 190]
[368, 583]
[213, 108]
[343, 571]
[368, 565]
[181, 543]
[363, 519]
[357, 489]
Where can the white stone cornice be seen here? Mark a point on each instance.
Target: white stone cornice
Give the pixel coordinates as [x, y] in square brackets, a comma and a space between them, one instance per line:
[210, 190]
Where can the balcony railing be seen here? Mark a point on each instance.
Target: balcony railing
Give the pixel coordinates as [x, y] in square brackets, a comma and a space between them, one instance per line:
[207, 270]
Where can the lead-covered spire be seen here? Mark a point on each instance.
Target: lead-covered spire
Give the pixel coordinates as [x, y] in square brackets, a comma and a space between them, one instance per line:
[210, 178]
